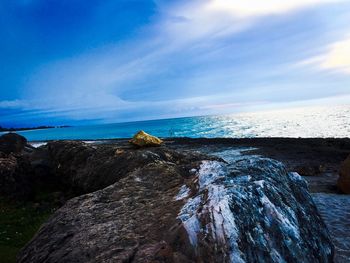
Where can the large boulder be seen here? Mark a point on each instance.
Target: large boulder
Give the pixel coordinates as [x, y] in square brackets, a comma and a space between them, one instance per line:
[84, 168]
[143, 139]
[344, 176]
[12, 143]
[180, 209]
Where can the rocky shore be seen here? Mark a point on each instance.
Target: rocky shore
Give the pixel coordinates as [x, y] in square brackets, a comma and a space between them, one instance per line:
[190, 200]
[318, 160]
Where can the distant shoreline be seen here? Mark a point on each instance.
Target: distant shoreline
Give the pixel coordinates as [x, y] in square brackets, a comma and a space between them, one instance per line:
[31, 128]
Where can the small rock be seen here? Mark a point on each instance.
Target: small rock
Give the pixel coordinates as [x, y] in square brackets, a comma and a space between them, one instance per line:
[344, 177]
[143, 139]
[310, 170]
[119, 151]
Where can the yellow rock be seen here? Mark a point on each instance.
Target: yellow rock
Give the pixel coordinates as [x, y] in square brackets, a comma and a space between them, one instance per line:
[119, 152]
[143, 139]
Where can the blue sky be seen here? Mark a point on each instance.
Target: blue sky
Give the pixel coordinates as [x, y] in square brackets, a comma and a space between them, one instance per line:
[80, 62]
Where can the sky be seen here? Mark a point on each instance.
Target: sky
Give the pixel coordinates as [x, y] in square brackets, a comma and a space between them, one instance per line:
[77, 62]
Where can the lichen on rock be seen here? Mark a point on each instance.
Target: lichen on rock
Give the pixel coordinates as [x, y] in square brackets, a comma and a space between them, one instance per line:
[143, 139]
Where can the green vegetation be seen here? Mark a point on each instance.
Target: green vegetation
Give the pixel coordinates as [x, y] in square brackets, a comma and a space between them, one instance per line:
[18, 224]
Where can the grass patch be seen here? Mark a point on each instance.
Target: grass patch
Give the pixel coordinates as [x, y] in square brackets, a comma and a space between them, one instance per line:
[18, 224]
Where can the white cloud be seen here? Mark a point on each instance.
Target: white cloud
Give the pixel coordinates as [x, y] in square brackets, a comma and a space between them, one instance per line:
[336, 58]
[202, 16]
[249, 8]
[90, 85]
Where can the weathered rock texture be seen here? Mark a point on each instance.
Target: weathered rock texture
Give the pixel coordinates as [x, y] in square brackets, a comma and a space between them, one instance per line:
[166, 206]
[344, 177]
[253, 211]
[84, 168]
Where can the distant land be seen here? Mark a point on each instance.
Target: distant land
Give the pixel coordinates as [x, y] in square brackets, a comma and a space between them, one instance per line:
[3, 129]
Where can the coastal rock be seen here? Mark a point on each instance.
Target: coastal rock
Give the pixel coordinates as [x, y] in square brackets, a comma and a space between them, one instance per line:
[15, 177]
[344, 177]
[186, 207]
[12, 143]
[310, 170]
[143, 139]
[254, 211]
[83, 168]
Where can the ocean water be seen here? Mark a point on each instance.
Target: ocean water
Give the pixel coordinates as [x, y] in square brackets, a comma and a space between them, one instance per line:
[298, 122]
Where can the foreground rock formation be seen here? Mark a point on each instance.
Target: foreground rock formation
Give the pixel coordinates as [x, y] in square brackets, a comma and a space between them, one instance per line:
[344, 177]
[161, 205]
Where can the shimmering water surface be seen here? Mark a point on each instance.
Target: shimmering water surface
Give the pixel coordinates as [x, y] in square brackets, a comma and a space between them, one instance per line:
[301, 122]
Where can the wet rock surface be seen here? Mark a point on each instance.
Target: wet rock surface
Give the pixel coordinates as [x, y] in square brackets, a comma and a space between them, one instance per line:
[162, 205]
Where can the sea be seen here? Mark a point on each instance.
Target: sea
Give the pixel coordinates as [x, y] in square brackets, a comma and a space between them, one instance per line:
[306, 122]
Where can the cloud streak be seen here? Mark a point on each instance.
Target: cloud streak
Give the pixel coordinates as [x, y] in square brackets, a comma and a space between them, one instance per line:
[250, 8]
[194, 58]
[338, 57]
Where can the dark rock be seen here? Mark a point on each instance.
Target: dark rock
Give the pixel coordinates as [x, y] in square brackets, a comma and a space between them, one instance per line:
[309, 170]
[12, 143]
[167, 206]
[44, 176]
[16, 180]
[129, 220]
[344, 177]
[83, 168]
